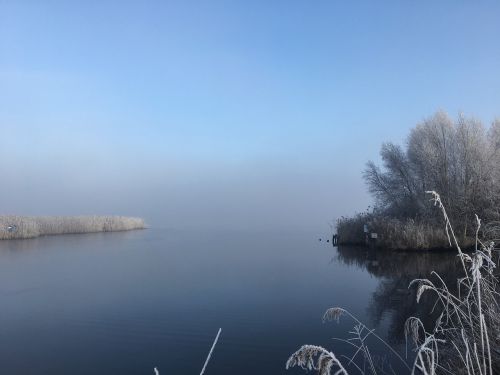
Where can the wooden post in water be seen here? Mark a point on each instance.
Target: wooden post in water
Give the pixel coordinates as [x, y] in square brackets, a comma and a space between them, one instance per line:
[334, 240]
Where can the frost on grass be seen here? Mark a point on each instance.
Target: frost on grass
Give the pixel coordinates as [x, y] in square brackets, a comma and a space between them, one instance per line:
[312, 357]
[17, 227]
[464, 339]
[333, 313]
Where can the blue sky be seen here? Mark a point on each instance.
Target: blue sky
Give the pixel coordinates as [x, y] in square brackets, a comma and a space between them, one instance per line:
[257, 111]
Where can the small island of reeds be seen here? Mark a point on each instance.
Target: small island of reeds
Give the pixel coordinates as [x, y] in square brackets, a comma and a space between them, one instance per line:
[21, 227]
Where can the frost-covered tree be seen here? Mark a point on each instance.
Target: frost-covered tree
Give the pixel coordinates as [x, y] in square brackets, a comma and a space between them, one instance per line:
[460, 159]
[394, 187]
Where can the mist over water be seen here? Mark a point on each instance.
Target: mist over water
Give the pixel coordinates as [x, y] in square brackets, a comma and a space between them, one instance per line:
[248, 115]
[198, 195]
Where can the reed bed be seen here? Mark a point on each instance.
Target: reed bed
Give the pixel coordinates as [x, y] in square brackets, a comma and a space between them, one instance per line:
[350, 229]
[395, 234]
[22, 227]
[464, 339]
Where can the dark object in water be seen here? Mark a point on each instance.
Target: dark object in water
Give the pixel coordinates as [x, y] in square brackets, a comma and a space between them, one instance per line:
[327, 240]
[12, 228]
[335, 240]
[319, 239]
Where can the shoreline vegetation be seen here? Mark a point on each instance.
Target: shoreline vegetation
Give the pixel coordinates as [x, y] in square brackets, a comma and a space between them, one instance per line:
[24, 227]
[395, 234]
[458, 158]
[464, 338]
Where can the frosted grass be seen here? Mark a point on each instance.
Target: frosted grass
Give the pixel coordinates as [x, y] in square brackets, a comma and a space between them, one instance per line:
[22, 227]
[464, 339]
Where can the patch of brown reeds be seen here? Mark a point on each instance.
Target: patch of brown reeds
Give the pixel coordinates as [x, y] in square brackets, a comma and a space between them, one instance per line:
[20, 227]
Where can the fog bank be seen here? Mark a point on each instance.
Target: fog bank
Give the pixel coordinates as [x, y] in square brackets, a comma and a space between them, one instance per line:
[243, 195]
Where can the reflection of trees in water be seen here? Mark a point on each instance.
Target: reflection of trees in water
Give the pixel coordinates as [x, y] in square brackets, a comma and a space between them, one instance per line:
[395, 271]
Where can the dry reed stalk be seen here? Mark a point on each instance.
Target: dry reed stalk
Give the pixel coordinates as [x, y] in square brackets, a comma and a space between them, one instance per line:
[210, 353]
[208, 357]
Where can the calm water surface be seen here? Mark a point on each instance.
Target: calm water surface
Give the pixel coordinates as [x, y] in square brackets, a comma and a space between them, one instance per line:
[122, 303]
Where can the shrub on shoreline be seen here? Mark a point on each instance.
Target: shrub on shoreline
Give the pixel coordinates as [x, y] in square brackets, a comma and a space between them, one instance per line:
[460, 158]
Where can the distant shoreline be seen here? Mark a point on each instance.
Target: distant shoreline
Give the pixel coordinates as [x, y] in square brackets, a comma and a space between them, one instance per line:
[24, 227]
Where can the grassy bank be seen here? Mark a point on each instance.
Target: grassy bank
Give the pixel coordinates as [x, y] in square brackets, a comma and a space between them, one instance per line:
[463, 339]
[18, 227]
[395, 234]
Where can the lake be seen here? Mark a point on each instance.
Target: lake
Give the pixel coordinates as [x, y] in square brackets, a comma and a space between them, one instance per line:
[124, 302]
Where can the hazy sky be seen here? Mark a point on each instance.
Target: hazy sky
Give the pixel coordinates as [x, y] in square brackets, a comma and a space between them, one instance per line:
[241, 114]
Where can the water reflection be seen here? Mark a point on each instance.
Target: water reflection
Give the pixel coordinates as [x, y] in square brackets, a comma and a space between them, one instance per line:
[392, 299]
[124, 302]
